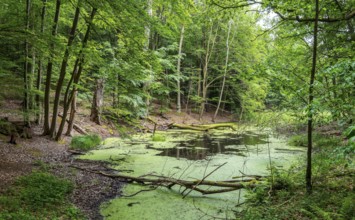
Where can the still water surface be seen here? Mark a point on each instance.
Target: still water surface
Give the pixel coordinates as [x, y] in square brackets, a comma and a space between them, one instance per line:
[190, 156]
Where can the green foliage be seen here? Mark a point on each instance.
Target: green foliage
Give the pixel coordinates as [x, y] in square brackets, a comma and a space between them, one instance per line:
[85, 142]
[332, 196]
[349, 132]
[319, 140]
[38, 195]
[40, 190]
[348, 207]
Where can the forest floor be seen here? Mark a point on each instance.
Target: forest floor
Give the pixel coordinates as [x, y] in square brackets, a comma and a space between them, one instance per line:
[90, 189]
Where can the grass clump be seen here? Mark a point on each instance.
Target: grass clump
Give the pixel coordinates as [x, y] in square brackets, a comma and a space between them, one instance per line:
[85, 142]
[39, 195]
[158, 137]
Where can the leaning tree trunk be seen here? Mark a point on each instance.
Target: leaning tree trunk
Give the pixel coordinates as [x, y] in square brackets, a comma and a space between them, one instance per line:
[69, 96]
[310, 103]
[49, 71]
[97, 102]
[63, 73]
[225, 72]
[178, 70]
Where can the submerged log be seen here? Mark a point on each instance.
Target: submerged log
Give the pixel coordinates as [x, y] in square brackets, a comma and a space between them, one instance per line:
[204, 127]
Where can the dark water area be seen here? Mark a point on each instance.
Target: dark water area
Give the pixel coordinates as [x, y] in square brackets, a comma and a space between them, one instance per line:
[205, 145]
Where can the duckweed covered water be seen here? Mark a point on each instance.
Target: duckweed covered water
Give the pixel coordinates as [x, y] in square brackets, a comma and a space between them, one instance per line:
[188, 155]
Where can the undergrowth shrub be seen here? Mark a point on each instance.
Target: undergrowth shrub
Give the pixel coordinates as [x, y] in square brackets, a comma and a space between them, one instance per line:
[332, 196]
[85, 142]
[348, 207]
[319, 140]
[39, 189]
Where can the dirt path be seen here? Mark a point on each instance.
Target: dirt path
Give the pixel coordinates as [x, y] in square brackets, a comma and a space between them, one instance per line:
[90, 189]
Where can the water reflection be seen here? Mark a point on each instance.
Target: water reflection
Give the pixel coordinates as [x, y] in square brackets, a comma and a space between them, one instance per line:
[205, 145]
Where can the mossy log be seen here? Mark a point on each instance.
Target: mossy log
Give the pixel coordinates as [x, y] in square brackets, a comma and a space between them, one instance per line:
[194, 185]
[203, 127]
[15, 129]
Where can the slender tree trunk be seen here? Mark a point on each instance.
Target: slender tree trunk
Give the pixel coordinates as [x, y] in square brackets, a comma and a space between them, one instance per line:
[225, 72]
[49, 71]
[97, 102]
[26, 64]
[188, 93]
[78, 68]
[72, 115]
[310, 107]
[209, 50]
[40, 67]
[147, 34]
[63, 73]
[147, 27]
[178, 70]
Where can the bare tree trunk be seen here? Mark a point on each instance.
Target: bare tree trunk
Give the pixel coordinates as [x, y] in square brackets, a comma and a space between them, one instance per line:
[63, 73]
[310, 103]
[40, 68]
[72, 115]
[147, 34]
[49, 71]
[97, 102]
[225, 72]
[188, 93]
[209, 50]
[178, 70]
[26, 64]
[147, 27]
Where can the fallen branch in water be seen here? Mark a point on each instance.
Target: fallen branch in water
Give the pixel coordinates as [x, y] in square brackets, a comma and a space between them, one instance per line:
[194, 185]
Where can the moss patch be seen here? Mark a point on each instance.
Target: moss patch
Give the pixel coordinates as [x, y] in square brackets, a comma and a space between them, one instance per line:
[39, 195]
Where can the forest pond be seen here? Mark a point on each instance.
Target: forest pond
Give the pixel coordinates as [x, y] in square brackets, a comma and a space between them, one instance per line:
[189, 155]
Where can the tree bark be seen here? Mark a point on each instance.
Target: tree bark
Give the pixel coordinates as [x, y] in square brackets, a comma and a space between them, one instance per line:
[208, 54]
[63, 73]
[47, 92]
[97, 102]
[72, 115]
[225, 72]
[40, 67]
[75, 77]
[146, 48]
[178, 70]
[310, 103]
[26, 64]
